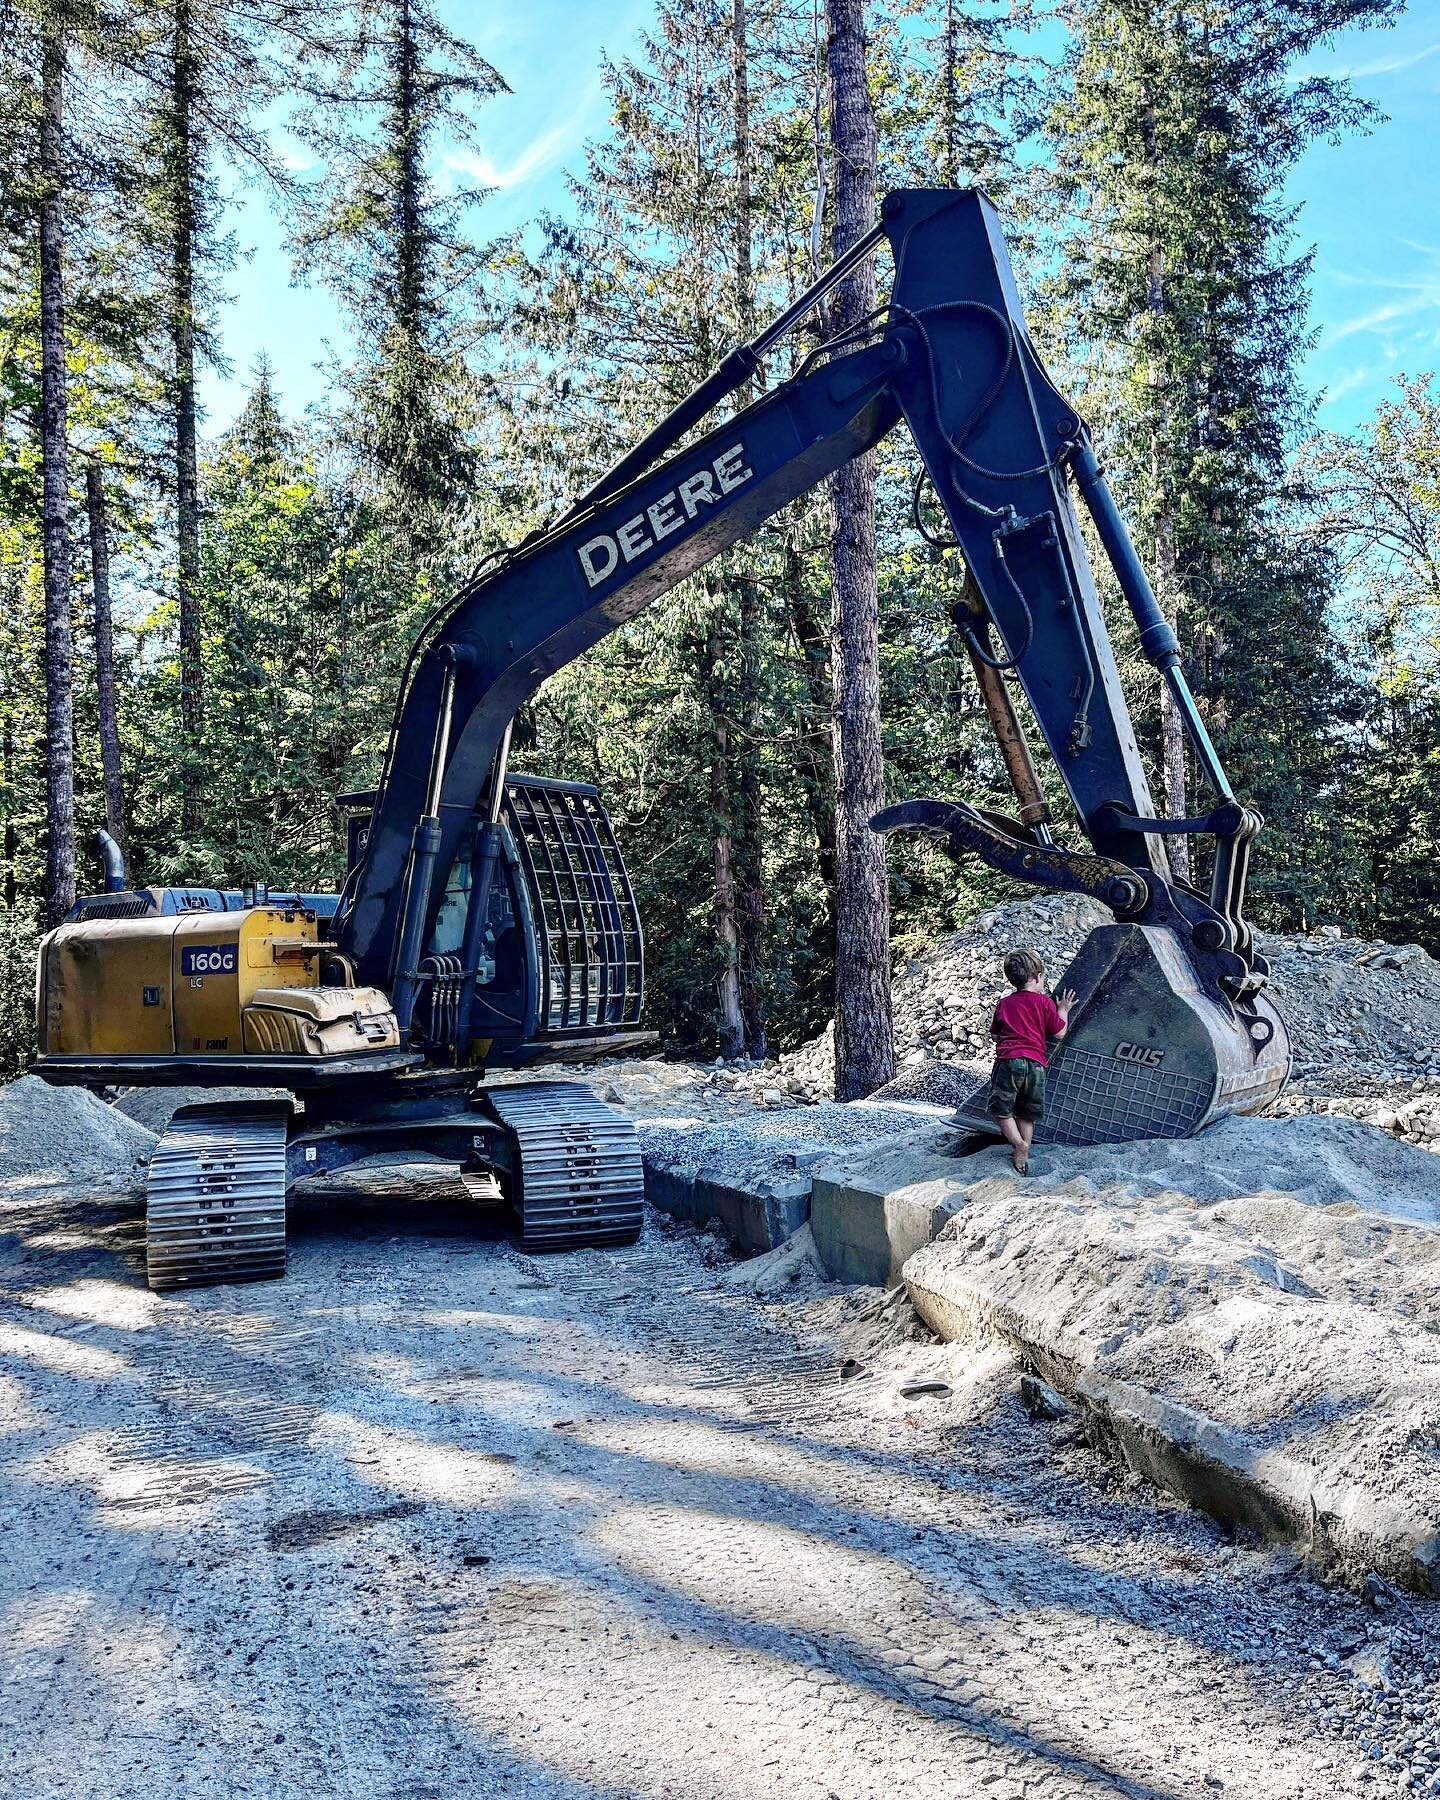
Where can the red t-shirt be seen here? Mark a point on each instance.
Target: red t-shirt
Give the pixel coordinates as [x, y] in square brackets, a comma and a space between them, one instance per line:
[1021, 1025]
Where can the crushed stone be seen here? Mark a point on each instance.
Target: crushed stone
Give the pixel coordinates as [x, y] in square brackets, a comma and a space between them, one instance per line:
[1279, 1277]
[1364, 1016]
[782, 1141]
[154, 1107]
[53, 1134]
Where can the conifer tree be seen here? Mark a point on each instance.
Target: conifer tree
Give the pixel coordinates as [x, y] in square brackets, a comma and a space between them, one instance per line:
[1182, 120]
[864, 1030]
[681, 244]
[72, 326]
[54, 436]
[206, 68]
[384, 236]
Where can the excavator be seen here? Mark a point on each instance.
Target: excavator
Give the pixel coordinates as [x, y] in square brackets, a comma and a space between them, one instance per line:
[487, 922]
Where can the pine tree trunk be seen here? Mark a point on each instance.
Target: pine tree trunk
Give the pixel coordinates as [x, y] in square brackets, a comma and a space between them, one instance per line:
[59, 644]
[7, 787]
[409, 273]
[749, 843]
[183, 82]
[407, 373]
[864, 1032]
[749, 846]
[727, 929]
[817, 770]
[96, 511]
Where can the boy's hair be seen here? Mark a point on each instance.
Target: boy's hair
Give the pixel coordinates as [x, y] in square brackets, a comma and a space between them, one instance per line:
[1022, 966]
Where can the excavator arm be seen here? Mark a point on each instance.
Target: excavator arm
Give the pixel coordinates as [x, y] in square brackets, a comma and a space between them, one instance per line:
[1006, 456]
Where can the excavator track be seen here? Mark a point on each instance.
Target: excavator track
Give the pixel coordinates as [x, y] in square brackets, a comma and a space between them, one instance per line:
[215, 1199]
[579, 1180]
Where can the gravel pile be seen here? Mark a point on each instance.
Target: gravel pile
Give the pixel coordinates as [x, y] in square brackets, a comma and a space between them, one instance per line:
[944, 997]
[51, 1134]
[1315, 1162]
[154, 1107]
[1364, 1017]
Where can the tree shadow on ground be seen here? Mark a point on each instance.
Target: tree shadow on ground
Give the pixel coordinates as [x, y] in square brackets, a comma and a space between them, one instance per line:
[215, 1381]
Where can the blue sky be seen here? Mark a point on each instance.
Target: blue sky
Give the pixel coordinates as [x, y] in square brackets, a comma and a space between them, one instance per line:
[1370, 205]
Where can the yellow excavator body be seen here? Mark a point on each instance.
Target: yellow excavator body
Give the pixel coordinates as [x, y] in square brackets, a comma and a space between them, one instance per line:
[201, 984]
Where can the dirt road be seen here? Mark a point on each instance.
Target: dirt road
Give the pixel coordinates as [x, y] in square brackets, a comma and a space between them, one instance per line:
[431, 1517]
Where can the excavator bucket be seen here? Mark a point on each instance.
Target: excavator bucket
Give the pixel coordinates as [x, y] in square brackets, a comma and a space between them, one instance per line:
[1149, 1054]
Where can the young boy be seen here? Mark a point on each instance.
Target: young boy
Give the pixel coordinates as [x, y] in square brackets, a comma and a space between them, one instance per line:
[1023, 1023]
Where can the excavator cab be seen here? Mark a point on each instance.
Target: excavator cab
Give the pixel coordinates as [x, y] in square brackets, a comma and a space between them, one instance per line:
[560, 965]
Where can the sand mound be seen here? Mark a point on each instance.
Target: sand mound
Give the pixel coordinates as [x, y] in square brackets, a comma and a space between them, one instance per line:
[1315, 1160]
[1249, 1314]
[48, 1131]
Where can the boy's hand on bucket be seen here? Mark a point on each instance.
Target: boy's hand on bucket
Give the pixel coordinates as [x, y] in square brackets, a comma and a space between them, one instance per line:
[1064, 1000]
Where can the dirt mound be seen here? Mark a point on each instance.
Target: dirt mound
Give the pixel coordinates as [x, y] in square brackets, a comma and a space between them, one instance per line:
[49, 1135]
[1260, 1300]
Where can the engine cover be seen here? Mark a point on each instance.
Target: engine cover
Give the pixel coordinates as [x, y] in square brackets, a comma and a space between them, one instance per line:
[167, 984]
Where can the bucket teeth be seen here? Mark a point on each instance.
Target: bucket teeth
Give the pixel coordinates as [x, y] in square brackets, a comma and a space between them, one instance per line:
[580, 1177]
[215, 1196]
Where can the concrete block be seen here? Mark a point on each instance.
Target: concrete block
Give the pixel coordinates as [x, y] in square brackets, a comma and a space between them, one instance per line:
[759, 1206]
[754, 1173]
[872, 1210]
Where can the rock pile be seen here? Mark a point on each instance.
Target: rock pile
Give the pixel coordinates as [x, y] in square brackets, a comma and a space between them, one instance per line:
[1356, 1007]
[1364, 1016]
[943, 997]
[52, 1136]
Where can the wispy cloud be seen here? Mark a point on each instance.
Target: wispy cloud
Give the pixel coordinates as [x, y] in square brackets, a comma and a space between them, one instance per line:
[539, 155]
[1379, 65]
[1420, 299]
[1347, 384]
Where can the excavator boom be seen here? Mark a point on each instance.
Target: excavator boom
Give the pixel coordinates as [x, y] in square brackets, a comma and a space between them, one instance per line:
[1006, 455]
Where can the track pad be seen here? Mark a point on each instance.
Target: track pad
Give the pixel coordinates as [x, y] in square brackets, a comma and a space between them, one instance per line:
[1148, 1053]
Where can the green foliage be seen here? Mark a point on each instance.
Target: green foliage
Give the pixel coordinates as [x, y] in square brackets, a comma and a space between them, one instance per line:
[1185, 300]
[494, 381]
[19, 938]
[390, 242]
[1378, 509]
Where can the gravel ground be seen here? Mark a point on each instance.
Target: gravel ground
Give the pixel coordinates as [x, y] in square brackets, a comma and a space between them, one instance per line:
[431, 1517]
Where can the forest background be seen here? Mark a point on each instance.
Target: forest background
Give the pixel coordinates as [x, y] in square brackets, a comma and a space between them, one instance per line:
[201, 631]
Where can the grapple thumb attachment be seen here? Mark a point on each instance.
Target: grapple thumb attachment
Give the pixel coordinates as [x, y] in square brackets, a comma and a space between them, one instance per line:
[1158, 1046]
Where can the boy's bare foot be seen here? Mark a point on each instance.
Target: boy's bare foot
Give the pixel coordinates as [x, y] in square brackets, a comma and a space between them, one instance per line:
[1019, 1163]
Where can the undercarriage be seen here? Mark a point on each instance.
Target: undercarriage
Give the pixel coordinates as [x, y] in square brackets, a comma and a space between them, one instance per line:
[566, 1164]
